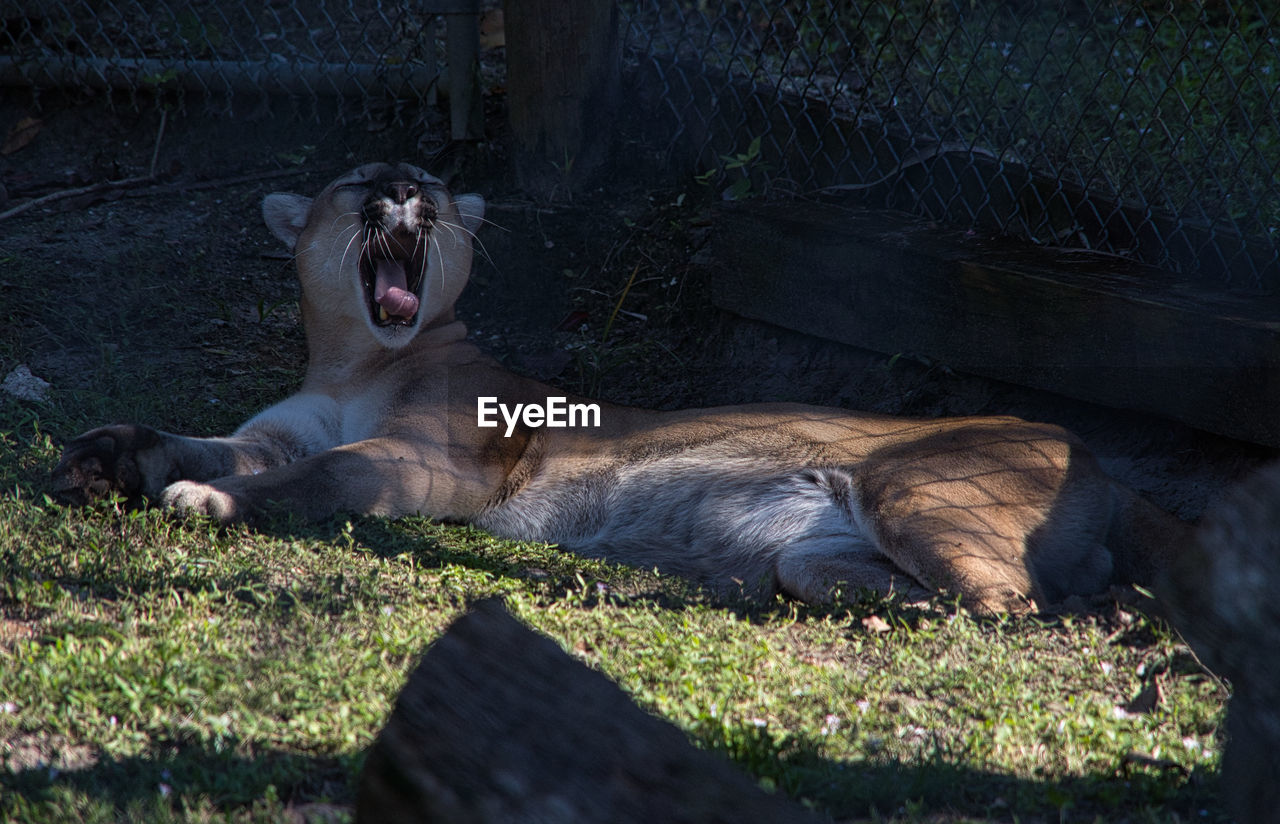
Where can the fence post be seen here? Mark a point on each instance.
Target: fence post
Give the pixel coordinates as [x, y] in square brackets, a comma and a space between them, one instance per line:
[562, 90]
[462, 57]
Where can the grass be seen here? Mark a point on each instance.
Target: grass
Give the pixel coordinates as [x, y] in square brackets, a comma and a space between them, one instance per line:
[159, 669]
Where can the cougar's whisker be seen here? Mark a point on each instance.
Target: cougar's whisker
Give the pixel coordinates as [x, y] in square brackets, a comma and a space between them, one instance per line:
[347, 248]
[422, 265]
[432, 239]
[338, 235]
[475, 239]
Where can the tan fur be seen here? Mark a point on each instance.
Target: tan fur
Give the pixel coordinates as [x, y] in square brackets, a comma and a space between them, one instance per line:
[804, 500]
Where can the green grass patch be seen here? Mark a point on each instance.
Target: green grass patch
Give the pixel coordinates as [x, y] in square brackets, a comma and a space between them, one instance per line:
[159, 669]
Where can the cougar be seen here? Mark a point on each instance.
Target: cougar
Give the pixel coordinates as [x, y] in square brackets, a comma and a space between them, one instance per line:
[398, 414]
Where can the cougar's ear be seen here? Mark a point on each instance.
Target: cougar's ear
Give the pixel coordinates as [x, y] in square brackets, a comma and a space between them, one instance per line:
[286, 216]
[471, 210]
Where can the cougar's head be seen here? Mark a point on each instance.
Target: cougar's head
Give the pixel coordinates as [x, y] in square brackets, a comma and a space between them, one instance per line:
[386, 243]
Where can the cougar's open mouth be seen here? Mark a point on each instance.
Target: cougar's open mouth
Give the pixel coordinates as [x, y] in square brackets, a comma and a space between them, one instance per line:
[391, 271]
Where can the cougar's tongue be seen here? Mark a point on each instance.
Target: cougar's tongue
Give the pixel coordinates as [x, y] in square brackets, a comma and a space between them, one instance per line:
[390, 289]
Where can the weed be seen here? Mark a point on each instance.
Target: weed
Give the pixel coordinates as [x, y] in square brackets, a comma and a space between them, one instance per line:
[747, 174]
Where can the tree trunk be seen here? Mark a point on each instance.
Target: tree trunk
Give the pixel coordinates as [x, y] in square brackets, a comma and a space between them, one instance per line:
[562, 91]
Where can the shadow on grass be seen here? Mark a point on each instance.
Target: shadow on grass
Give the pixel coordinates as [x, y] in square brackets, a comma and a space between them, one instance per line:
[940, 789]
[843, 789]
[186, 777]
[192, 778]
[543, 568]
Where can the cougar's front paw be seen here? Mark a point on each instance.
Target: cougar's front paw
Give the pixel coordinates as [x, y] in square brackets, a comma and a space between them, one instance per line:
[195, 498]
[101, 462]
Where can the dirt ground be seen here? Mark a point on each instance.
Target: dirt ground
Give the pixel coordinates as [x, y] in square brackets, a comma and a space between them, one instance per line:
[174, 286]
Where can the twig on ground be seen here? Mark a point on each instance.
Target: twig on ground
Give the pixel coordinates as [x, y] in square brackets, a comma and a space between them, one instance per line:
[251, 177]
[148, 185]
[155, 153]
[916, 159]
[104, 186]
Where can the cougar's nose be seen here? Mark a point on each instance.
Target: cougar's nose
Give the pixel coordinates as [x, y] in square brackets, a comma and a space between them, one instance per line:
[400, 191]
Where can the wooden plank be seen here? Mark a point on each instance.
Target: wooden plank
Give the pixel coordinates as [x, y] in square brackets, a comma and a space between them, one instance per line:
[1093, 327]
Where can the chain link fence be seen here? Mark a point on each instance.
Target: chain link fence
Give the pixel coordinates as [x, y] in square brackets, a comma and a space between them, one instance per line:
[1149, 130]
[1145, 130]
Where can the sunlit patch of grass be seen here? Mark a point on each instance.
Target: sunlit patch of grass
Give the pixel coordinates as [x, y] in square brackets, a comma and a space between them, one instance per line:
[155, 668]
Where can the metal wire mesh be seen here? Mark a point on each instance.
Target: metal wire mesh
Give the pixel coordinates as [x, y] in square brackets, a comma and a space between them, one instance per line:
[1125, 128]
[1135, 129]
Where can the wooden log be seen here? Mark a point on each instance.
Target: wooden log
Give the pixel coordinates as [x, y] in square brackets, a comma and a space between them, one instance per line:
[1093, 327]
[498, 724]
[562, 90]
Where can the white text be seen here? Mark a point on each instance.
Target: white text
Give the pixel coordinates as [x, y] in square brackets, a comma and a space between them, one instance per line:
[557, 412]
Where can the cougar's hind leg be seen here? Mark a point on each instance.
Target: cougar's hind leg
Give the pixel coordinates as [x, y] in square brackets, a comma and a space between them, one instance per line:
[829, 555]
[960, 552]
[820, 568]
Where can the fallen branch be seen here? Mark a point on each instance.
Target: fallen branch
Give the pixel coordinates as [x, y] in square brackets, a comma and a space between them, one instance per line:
[105, 186]
[155, 152]
[150, 185]
[252, 177]
[916, 159]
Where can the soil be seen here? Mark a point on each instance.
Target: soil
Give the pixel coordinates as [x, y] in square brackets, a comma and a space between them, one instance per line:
[176, 287]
